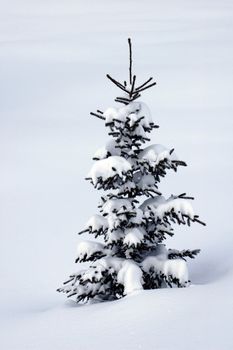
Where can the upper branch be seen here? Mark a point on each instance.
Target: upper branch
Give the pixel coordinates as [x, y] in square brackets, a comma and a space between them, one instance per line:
[130, 61]
[130, 88]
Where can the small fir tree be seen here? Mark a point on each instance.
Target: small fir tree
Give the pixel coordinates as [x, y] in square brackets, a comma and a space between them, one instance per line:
[130, 254]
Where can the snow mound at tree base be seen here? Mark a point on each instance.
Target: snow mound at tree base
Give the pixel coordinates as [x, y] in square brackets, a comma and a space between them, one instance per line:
[162, 319]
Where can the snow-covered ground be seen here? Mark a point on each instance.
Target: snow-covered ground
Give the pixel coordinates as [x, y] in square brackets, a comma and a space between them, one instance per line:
[54, 55]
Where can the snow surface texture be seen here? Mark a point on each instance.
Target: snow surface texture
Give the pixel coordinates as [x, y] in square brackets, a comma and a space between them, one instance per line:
[54, 56]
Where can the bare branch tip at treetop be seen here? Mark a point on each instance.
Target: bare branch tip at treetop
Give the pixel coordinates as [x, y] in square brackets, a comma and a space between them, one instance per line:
[133, 91]
[130, 61]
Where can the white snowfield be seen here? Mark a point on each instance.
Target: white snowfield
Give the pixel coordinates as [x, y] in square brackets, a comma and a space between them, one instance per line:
[53, 59]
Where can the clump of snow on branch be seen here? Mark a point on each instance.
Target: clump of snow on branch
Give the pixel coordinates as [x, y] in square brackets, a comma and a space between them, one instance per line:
[131, 113]
[109, 167]
[86, 249]
[152, 202]
[116, 210]
[146, 182]
[116, 205]
[179, 205]
[96, 223]
[159, 206]
[110, 149]
[175, 268]
[133, 237]
[156, 153]
[130, 276]
[137, 219]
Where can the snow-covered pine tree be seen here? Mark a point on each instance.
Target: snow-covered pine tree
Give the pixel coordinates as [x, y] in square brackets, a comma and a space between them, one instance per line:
[131, 254]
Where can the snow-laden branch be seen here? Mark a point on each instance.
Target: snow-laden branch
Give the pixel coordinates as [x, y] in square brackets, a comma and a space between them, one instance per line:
[135, 113]
[156, 153]
[174, 209]
[156, 159]
[96, 225]
[110, 149]
[183, 254]
[89, 251]
[133, 237]
[106, 172]
[116, 205]
[171, 271]
[112, 276]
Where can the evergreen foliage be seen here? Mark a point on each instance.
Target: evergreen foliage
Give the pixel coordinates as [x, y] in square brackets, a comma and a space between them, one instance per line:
[135, 219]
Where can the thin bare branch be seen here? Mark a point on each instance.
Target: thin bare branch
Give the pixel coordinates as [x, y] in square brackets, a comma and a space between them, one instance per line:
[200, 222]
[146, 87]
[121, 101]
[98, 115]
[123, 98]
[146, 82]
[135, 97]
[132, 87]
[130, 61]
[117, 83]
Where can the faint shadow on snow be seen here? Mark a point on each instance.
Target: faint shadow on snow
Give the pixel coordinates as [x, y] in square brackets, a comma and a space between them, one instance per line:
[213, 265]
[72, 304]
[38, 307]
